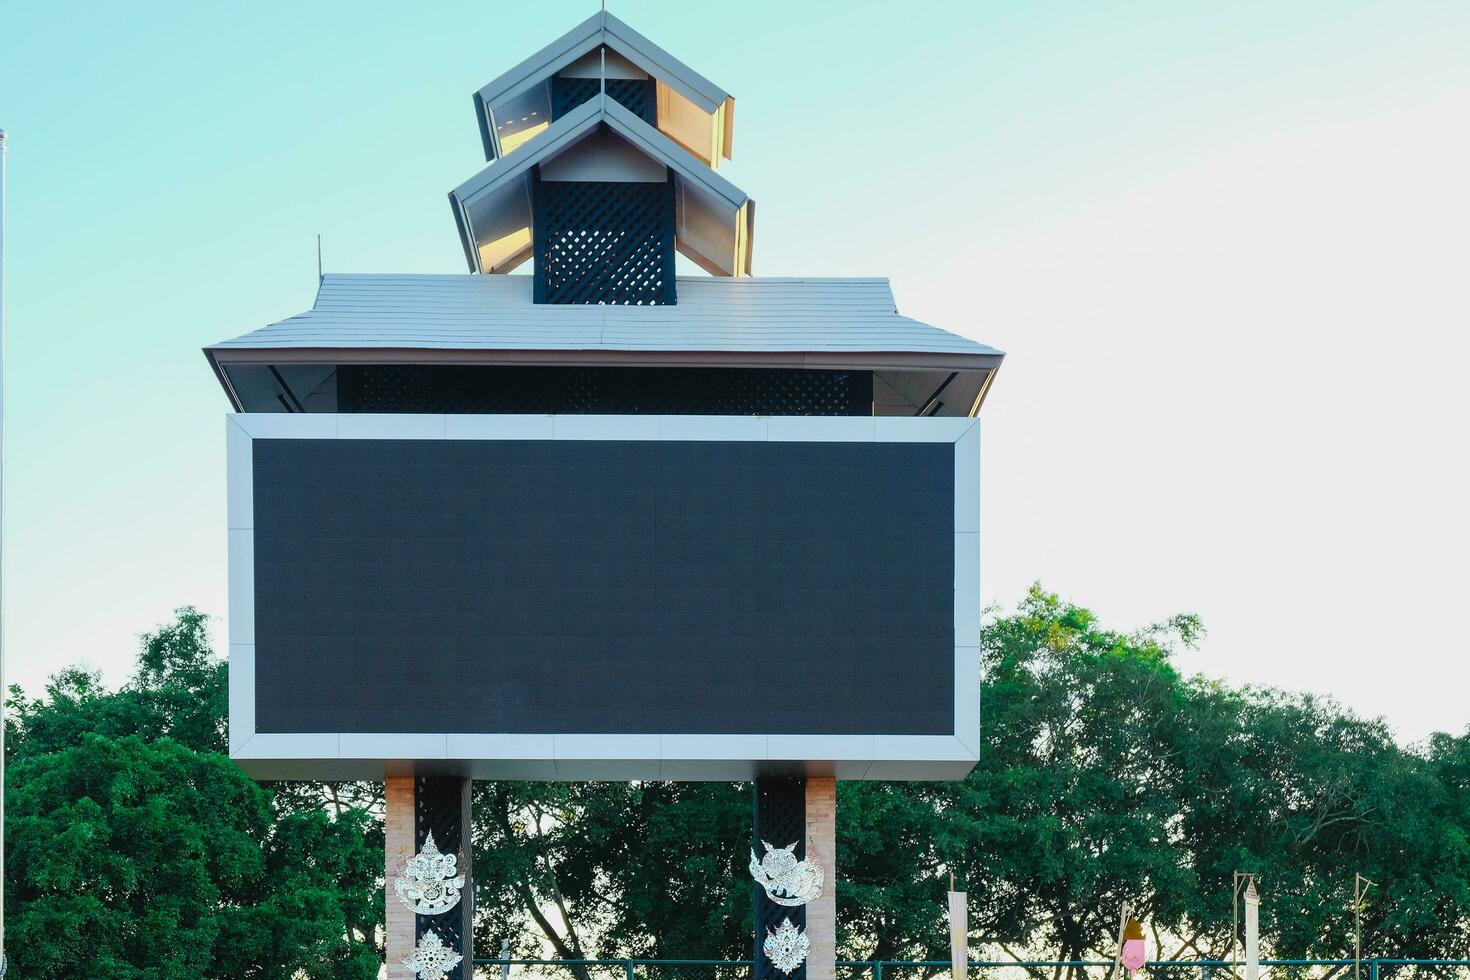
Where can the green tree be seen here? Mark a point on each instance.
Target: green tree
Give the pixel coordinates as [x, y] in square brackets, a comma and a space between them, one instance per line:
[138, 850]
[1108, 776]
[648, 869]
[1067, 815]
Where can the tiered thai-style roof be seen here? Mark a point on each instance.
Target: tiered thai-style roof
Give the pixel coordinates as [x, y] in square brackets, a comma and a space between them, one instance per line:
[602, 151]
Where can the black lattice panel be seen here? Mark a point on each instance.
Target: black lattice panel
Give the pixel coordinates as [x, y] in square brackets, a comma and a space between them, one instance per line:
[637, 95]
[604, 242]
[785, 392]
[463, 390]
[441, 805]
[780, 819]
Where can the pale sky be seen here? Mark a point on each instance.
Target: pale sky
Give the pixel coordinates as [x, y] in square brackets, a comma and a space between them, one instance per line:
[1225, 246]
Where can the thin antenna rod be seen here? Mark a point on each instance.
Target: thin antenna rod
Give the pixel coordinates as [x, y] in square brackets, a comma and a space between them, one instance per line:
[319, 258]
[4, 152]
[1118, 949]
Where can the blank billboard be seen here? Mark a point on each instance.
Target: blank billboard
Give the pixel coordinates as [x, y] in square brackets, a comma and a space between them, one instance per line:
[603, 597]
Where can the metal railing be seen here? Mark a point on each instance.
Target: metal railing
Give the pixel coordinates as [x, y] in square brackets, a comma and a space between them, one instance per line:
[642, 969]
[492, 969]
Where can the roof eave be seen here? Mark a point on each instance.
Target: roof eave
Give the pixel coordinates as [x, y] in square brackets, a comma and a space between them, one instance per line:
[487, 132]
[224, 379]
[471, 255]
[549, 60]
[985, 387]
[557, 136]
[865, 360]
[664, 66]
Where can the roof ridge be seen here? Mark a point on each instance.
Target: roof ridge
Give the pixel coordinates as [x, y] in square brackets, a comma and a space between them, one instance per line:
[587, 35]
[598, 110]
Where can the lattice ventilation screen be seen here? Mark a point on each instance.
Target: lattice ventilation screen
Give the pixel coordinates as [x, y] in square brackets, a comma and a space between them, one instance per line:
[439, 809]
[449, 389]
[604, 242]
[637, 95]
[780, 819]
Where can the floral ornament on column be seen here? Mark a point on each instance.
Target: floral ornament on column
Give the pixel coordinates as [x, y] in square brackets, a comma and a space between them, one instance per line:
[430, 881]
[431, 959]
[786, 946]
[787, 881]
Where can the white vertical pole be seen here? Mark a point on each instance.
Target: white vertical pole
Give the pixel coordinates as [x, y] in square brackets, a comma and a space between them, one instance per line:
[959, 933]
[1252, 932]
[1118, 950]
[4, 151]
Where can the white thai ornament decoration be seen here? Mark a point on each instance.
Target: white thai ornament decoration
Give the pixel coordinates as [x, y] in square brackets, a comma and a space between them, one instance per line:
[786, 946]
[787, 881]
[431, 959]
[430, 881]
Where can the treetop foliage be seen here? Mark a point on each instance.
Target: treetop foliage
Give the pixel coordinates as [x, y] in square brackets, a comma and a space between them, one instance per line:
[139, 851]
[1107, 775]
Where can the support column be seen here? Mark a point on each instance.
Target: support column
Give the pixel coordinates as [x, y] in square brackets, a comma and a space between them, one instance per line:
[442, 807]
[416, 807]
[802, 811]
[780, 819]
[398, 841]
[821, 913]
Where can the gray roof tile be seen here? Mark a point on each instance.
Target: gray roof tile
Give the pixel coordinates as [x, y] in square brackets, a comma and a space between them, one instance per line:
[474, 312]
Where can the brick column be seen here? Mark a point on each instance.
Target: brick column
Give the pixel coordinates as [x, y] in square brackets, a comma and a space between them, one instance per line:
[821, 914]
[398, 840]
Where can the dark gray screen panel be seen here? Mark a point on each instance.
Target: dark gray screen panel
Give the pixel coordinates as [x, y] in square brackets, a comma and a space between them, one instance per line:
[604, 587]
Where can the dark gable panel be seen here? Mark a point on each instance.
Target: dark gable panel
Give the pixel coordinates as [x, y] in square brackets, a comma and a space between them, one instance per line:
[481, 389]
[585, 587]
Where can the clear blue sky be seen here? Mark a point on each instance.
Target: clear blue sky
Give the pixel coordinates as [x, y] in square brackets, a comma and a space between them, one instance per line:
[1224, 244]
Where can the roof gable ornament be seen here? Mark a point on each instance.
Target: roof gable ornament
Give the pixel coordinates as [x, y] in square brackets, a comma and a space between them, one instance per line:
[519, 105]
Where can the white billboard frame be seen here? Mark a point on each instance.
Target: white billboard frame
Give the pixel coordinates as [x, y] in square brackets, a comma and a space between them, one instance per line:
[611, 756]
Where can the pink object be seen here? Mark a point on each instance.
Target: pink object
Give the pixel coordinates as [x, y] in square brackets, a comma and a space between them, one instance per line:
[1133, 954]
